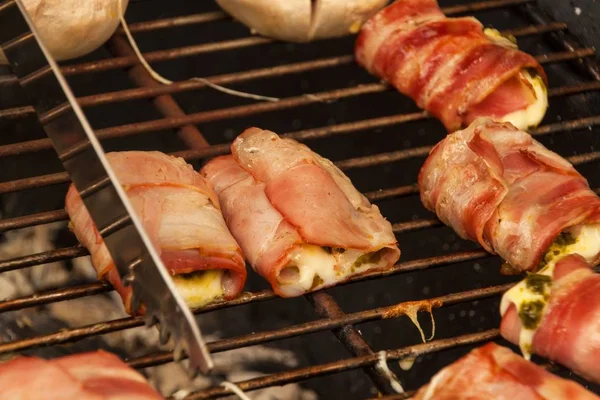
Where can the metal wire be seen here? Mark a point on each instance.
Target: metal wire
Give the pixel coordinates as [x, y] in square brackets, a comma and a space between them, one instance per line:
[328, 323]
[331, 317]
[238, 77]
[246, 110]
[283, 378]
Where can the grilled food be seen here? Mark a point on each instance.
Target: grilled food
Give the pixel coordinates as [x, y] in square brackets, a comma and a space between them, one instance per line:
[495, 372]
[556, 313]
[302, 20]
[181, 214]
[452, 67]
[299, 220]
[92, 376]
[498, 186]
[74, 28]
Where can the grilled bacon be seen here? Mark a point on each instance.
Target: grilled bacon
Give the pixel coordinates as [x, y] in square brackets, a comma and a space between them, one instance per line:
[452, 67]
[567, 327]
[91, 376]
[181, 214]
[498, 186]
[495, 372]
[299, 220]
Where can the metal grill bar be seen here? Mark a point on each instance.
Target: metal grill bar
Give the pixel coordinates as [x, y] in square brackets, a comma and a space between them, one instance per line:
[326, 307]
[79, 251]
[220, 15]
[329, 323]
[359, 162]
[562, 41]
[61, 215]
[238, 77]
[283, 378]
[164, 55]
[175, 22]
[68, 335]
[242, 111]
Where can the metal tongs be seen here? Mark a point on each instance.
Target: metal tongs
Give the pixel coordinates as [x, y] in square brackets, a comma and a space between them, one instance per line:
[83, 157]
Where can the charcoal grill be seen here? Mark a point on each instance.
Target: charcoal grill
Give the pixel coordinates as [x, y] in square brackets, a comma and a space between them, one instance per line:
[377, 136]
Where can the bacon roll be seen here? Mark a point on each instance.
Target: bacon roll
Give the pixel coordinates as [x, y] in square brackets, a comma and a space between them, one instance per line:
[452, 67]
[299, 220]
[555, 313]
[96, 376]
[495, 372]
[181, 214]
[498, 186]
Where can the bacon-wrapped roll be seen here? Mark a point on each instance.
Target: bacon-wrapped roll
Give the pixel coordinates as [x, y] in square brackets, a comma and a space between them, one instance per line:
[452, 67]
[495, 372]
[95, 376]
[300, 221]
[556, 313]
[181, 214]
[497, 185]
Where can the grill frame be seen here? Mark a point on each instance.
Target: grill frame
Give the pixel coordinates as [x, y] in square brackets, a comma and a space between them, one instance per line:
[331, 317]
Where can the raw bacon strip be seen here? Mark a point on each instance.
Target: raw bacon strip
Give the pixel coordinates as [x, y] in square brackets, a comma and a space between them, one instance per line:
[298, 218]
[182, 216]
[497, 185]
[495, 372]
[450, 66]
[569, 330]
[91, 376]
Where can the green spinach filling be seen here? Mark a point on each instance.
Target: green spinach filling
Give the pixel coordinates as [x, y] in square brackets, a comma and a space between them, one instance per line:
[317, 281]
[368, 258]
[563, 240]
[538, 283]
[530, 313]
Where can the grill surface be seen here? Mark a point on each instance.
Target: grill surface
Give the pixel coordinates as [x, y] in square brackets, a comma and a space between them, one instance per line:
[378, 137]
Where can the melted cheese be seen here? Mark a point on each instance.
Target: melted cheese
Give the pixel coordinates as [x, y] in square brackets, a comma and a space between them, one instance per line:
[587, 244]
[385, 369]
[505, 41]
[407, 363]
[312, 261]
[588, 241]
[317, 268]
[532, 115]
[200, 288]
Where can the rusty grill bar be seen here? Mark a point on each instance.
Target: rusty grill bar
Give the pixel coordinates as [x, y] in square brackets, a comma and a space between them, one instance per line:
[330, 316]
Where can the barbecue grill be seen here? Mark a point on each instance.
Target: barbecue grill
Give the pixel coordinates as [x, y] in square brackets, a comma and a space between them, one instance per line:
[377, 136]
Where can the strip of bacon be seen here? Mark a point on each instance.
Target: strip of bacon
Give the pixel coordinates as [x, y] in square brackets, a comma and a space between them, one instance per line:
[495, 372]
[569, 330]
[91, 376]
[497, 185]
[181, 214]
[451, 67]
[298, 218]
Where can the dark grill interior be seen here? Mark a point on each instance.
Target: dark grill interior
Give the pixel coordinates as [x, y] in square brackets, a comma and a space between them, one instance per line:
[377, 136]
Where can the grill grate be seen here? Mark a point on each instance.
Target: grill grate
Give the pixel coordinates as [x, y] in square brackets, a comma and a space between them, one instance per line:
[433, 258]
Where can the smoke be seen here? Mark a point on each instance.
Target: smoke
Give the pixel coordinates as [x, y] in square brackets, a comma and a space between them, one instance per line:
[169, 379]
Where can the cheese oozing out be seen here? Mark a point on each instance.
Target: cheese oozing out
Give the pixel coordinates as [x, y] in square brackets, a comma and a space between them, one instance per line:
[200, 288]
[314, 267]
[531, 295]
[534, 113]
